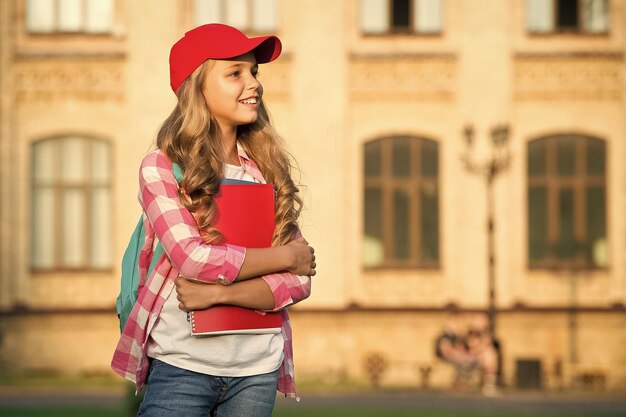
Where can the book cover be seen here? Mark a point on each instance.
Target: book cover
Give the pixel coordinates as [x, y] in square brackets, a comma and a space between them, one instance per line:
[245, 217]
[221, 320]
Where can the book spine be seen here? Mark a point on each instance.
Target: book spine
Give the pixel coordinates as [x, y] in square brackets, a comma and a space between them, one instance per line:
[193, 322]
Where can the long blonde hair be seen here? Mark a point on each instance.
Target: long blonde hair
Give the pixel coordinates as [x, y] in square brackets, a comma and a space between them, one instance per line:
[190, 137]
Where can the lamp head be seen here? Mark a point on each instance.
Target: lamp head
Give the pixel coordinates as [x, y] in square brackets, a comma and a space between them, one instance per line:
[468, 134]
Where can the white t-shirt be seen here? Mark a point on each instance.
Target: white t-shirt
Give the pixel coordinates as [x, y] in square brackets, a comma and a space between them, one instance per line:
[227, 355]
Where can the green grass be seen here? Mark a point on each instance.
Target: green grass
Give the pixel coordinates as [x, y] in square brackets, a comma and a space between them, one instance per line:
[62, 412]
[51, 381]
[288, 412]
[344, 412]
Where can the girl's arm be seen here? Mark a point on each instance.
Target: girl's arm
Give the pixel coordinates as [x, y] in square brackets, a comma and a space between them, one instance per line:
[281, 291]
[287, 287]
[268, 293]
[296, 256]
[176, 229]
[253, 293]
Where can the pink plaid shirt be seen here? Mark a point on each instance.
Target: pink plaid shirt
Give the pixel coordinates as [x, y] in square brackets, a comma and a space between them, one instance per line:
[168, 220]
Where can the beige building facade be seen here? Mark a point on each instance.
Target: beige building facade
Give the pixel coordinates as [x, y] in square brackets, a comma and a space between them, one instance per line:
[373, 97]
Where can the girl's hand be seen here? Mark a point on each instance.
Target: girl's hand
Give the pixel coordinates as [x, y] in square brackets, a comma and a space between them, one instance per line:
[302, 257]
[194, 295]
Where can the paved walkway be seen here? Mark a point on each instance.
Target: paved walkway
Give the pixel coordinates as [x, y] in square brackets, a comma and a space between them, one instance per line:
[531, 402]
[582, 403]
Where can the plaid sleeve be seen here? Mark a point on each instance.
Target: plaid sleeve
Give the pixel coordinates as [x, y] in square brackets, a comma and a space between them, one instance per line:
[176, 228]
[287, 288]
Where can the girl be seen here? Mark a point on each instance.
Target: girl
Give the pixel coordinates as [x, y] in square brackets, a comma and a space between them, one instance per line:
[218, 129]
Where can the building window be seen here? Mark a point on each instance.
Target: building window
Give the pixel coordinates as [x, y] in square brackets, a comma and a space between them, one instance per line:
[573, 16]
[401, 16]
[69, 16]
[245, 15]
[567, 202]
[401, 203]
[71, 204]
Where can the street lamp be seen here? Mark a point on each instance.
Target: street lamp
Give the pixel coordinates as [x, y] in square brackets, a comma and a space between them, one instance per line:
[489, 169]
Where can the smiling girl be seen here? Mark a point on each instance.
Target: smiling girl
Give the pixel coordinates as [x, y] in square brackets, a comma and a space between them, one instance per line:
[218, 129]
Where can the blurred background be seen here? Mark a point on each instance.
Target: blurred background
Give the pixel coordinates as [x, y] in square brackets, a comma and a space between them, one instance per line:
[462, 164]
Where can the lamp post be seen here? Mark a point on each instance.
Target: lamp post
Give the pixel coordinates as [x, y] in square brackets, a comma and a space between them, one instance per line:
[489, 168]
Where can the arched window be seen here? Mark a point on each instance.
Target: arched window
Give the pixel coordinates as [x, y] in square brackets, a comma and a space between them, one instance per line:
[401, 203]
[567, 202]
[71, 204]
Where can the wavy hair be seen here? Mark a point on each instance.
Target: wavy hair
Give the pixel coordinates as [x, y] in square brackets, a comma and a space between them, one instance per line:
[191, 137]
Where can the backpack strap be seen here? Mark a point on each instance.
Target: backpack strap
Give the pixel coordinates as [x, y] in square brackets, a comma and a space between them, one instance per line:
[178, 172]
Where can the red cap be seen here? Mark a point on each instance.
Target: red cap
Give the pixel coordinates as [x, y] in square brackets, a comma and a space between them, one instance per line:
[216, 41]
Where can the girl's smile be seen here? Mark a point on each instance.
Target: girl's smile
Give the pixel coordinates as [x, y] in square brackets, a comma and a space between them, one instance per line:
[251, 102]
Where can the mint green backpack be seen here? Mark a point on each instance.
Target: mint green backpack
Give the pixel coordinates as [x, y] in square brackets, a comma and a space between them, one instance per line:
[130, 265]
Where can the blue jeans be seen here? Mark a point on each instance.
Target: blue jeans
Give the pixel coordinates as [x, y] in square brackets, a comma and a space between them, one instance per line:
[173, 391]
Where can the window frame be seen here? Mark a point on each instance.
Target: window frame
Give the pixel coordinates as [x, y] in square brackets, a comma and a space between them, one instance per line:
[413, 186]
[86, 185]
[393, 31]
[553, 183]
[578, 31]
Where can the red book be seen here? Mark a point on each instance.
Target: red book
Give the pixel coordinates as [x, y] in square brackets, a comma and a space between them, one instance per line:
[245, 217]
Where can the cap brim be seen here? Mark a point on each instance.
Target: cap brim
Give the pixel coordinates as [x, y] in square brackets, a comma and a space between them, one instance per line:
[266, 48]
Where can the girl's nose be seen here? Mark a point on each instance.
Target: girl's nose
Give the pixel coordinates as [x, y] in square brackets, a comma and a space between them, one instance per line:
[253, 84]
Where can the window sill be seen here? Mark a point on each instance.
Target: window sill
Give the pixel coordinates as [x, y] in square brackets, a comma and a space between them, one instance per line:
[567, 268]
[391, 268]
[70, 45]
[567, 34]
[59, 34]
[392, 35]
[401, 55]
[587, 53]
[69, 54]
